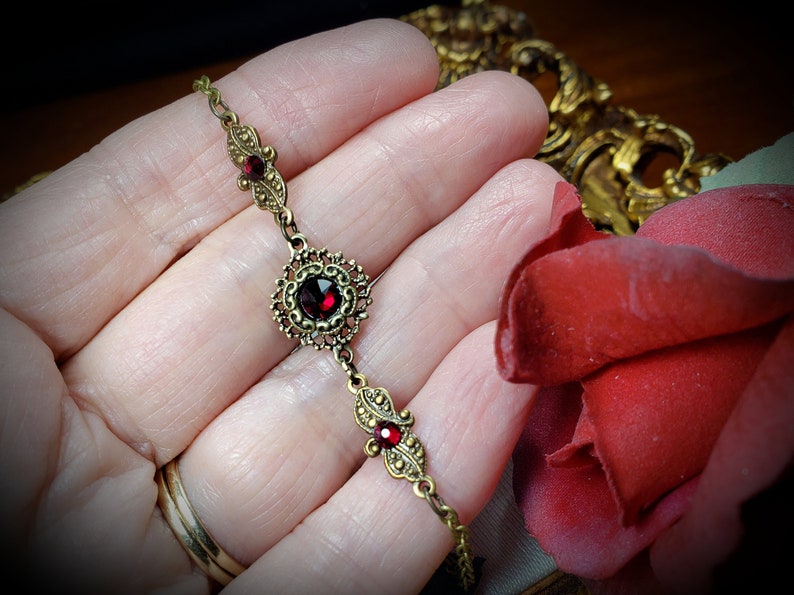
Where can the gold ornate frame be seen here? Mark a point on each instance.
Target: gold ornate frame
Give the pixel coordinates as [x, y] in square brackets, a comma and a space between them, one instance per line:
[626, 165]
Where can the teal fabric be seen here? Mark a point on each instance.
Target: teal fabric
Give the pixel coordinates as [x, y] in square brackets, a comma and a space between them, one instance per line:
[769, 165]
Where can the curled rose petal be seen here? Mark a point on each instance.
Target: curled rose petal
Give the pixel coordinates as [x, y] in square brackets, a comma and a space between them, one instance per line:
[755, 449]
[566, 313]
[570, 511]
[656, 417]
[644, 346]
[567, 227]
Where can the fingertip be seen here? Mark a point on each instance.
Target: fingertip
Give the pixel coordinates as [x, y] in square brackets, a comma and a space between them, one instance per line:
[508, 97]
[318, 91]
[531, 107]
[409, 45]
[537, 114]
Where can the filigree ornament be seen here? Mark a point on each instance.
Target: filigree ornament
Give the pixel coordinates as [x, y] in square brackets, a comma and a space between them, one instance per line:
[403, 453]
[618, 159]
[257, 165]
[321, 298]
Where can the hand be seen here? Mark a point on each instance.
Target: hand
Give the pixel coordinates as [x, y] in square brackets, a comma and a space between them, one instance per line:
[136, 328]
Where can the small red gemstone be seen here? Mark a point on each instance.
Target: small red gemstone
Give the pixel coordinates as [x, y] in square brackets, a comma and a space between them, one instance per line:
[387, 434]
[320, 298]
[254, 168]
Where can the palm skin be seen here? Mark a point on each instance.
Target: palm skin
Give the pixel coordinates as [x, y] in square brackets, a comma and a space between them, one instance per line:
[135, 325]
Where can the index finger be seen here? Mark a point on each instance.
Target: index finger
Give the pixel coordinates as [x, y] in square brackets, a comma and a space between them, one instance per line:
[79, 245]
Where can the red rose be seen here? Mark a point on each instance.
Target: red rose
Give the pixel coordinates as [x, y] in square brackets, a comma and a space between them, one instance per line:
[667, 366]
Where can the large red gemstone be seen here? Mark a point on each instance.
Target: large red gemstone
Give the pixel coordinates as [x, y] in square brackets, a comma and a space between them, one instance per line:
[320, 298]
[387, 434]
[254, 168]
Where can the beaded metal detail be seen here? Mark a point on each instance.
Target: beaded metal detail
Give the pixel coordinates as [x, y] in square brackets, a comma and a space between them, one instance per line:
[321, 300]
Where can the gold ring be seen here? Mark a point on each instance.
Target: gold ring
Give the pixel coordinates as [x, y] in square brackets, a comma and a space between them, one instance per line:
[190, 531]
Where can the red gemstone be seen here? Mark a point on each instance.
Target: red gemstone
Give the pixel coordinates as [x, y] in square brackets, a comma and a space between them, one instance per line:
[320, 298]
[254, 168]
[387, 434]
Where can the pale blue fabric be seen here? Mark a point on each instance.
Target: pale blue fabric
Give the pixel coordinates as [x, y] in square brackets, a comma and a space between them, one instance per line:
[769, 165]
[513, 559]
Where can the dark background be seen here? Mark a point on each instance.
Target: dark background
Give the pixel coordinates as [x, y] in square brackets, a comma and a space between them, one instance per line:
[73, 48]
[72, 74]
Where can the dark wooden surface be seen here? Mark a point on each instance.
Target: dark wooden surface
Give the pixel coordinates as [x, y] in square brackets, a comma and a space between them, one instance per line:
[722, 75]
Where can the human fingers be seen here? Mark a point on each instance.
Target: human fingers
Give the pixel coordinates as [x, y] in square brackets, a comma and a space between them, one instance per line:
[76, 504]
[29, 407]
[374, 534]
[287, 445]
[187, 347]
[79, 245]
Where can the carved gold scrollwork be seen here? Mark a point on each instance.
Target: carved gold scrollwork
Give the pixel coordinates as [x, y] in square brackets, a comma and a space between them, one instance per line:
[609, 152]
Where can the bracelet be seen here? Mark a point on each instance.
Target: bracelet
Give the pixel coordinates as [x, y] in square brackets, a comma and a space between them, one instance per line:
[320, 301]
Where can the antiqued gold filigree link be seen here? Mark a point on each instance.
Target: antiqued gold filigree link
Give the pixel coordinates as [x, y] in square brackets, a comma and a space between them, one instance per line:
[606, 150]
[404, 458]
[463, 558]
[226, 116]
[321, 300]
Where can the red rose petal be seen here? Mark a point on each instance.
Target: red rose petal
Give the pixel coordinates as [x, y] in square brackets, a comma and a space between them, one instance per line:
[576, 310]
[750, 227]
[566, 312]
[655, 418]
[567, 227]
[579, 452]
[755, 448]
[570, 511]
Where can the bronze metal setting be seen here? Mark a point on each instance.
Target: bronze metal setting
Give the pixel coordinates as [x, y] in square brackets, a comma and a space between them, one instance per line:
[269, 193]
[405, 458]
[354, 287]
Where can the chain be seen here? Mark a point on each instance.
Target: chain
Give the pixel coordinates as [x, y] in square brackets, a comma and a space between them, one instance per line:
[321, 300]
[227, 116]
[286, 222]
[426, 488]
